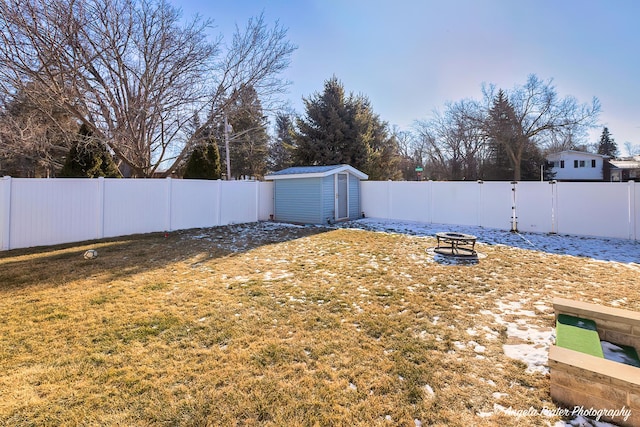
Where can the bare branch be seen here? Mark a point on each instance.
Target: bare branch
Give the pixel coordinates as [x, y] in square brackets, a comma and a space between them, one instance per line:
[131, 71]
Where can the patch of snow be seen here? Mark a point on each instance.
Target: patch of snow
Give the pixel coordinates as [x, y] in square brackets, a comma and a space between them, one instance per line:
[535, 358]
[479, 348]
[619, 302]
[268, 276]
[604, 249]
[429, 390]
[581, 421]
[459, 345]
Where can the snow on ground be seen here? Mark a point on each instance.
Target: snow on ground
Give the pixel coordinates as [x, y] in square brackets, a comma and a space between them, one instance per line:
[535, 352]
[600, 248]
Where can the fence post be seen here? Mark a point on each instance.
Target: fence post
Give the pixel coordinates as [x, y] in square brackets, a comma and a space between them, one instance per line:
[100, 220]
[169, 202]
[257, 200]
[632, 211]
[430, 201]
[389, 200]
[480, 202]
[554, 206]
[219, 197]
[514, 200]
[5, 213]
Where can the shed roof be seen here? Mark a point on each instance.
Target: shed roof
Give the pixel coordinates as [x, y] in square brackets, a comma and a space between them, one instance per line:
[315, 172]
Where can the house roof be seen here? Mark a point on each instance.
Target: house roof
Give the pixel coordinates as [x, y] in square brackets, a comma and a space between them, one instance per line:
[314, 172]
[580, 153]
[625, 164]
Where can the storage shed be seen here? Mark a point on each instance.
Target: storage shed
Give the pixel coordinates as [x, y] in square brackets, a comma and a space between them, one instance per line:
[317, 194]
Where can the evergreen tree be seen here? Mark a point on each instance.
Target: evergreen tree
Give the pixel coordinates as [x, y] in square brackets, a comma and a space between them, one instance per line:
[282, 147]
[249, 141]
[204, 162]
[532, 160]
[384, 159]
[496, 166]
[607, 145]
[89, 157]
[337, 129]
[321, 133]
[507, 142]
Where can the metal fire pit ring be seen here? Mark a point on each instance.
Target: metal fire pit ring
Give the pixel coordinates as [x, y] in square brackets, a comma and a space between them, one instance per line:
[456, 244]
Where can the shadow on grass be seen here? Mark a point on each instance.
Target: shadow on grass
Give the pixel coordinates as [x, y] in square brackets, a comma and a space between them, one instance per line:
[123, 256]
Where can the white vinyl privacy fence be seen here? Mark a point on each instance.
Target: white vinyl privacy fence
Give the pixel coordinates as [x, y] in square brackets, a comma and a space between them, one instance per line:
[602, 209]
[35, 212]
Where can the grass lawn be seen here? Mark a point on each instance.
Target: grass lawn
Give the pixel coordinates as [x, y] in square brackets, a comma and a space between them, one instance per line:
[275, 325]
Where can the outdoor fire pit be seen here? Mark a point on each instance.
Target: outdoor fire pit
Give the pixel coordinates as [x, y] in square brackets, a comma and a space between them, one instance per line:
[456, 244]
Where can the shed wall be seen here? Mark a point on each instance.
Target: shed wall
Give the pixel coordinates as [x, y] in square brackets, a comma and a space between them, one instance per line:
[298, 200]
[354, 198]
[312, 200]
[328, 198]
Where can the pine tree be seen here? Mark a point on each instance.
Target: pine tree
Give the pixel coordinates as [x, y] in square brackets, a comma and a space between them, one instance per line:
[607, 146]
[204, 162]
[89, 157]
[506, 138]
[339, 129]
[282, 147]
[384, 160]
[249, 141]
[321, 134]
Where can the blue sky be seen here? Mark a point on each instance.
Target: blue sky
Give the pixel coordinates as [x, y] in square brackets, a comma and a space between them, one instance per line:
[410, 57]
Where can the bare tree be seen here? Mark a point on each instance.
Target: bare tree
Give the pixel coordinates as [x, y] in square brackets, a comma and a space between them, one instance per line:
[453, 141]
[34, 137]
[540, 117]
[132, 72]
[631, 149]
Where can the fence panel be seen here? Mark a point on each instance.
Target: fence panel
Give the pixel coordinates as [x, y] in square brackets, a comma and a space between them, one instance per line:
[535, 206]
[495, 205]
[134, 206]
[194, 203]
[375, 198]
[5, 212]
[593, 209]
[46, 212]
[265, 202]
[455, 203]
[410, 201]
[239, 202]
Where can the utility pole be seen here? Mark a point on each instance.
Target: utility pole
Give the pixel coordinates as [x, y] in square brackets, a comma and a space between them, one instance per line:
[226, 145]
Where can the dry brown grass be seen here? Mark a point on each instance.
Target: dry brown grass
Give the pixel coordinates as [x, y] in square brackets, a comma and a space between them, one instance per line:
[295, 326]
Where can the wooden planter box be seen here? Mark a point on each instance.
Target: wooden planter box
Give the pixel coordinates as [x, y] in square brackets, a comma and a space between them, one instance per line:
[579, 380]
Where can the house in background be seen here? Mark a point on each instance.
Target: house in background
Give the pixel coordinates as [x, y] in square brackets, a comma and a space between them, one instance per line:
[573, 165]
[625, 169]
[317, 194]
